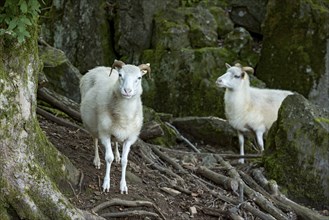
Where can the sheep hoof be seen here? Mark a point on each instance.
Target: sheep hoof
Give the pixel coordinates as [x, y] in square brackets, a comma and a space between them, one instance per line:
[124, 191]
[241, 161]
[123, 188]
[97, 164]
[117, 159]
[106, 186]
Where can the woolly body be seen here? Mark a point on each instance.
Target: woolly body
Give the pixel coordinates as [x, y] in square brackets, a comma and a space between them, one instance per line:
[248, 108]
[113, 115]
[111, 106]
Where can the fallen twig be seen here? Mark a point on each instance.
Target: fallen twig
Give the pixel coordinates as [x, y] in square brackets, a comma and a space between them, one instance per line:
[58, 120]
[226, 182]
[53, 99]
[152, 163]
[80, 182]
[183, 138]
[167, 159]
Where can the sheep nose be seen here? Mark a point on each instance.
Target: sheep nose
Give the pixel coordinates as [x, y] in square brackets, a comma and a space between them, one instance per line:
[127, 90]
[219, 81]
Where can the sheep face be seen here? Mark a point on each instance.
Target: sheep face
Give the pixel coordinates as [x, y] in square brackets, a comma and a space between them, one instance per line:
[233, 78]
[130, 78]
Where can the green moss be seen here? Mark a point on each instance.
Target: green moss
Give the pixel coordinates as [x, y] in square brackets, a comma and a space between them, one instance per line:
[290, 145]
[320, 120]
[294, 60]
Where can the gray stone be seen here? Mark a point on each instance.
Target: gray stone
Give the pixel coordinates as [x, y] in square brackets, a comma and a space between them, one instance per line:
[248, 14]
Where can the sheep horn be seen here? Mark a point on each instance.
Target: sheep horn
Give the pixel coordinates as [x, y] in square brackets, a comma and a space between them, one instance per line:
[118, 64]
[248, 68]
[145, 67]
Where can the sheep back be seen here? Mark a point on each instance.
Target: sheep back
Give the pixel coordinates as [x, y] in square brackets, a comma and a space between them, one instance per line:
[254, 110]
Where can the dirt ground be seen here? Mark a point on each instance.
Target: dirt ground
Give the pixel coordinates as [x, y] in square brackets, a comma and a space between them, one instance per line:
[144, 183]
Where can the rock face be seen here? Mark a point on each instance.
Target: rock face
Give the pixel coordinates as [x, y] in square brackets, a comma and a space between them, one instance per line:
[248, 14]
[81, 30]
[297, 151]
[62, 76]
[295, 52]
[190, 46]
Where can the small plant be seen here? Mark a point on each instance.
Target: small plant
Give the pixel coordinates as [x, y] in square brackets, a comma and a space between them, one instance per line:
[16, 16]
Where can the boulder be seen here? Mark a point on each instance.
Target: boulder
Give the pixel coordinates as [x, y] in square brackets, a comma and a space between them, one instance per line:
[295, 49]
[210, 130]
[167, 136]
[183, 81]
[62, 76]
[297, 151]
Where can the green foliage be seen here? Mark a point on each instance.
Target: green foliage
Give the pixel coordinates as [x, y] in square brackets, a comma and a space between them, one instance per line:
[16, 16]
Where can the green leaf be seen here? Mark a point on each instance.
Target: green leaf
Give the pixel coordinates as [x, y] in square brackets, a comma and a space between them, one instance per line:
[25, 20]
[21, 38]
[13, 24]
[24, 7]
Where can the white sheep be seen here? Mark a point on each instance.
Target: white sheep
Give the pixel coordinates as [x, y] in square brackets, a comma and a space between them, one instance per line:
[111, 106]
[248, 108]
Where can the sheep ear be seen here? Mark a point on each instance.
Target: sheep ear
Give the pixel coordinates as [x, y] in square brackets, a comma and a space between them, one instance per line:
[227, 65]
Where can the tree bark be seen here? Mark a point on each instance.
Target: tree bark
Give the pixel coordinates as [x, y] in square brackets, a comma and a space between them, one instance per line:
[31, 168]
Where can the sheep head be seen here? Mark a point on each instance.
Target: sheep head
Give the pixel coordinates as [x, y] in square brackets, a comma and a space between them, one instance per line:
[234, 76]
[130, 77]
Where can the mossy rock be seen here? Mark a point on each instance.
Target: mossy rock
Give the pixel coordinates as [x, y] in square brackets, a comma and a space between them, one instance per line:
[183, 81]
[62, 76]
[169, 137]
[297, 151]
[293, 57]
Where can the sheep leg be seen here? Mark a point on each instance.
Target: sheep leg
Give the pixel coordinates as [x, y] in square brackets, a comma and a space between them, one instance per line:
[259, 136]
[124, 161]
[117, 153]
[97, 161]
[241, 142]
[109, 157]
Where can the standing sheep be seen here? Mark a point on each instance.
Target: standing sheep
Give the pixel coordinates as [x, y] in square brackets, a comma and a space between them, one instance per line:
[111, 106]
[248, 108]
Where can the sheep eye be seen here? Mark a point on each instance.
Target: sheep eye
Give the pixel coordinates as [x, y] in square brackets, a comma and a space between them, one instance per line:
[140, 77]
[237, 76]
[120, 75]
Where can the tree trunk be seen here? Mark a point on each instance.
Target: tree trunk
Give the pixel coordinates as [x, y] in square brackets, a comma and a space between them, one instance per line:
[31, 169]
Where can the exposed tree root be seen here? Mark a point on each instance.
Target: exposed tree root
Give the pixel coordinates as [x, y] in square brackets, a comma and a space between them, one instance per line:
[133, 213]
[126, 203]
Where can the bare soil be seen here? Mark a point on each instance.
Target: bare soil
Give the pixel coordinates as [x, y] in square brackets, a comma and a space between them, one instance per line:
[145, 183]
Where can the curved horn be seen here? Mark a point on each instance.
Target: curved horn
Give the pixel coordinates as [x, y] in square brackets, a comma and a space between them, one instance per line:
[145, 67]
[248, 69]
[117, 64]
